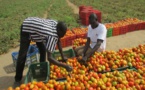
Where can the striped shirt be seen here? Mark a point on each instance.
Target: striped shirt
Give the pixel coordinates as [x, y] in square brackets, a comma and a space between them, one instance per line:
[42, 30]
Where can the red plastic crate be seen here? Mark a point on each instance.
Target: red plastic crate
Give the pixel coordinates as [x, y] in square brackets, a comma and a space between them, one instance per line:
[67, 41]
[63, 42]
[84, 14]
[73, 38]
[131, 27]
[127, 28]
[134, 27]
[70, 39]
[142, 25]
[81, 7]
[84, 35]
[85, 22]
[123, 29]
[84, 7]
[99, 14]
[97, 11]
[138, 26]
[116, 31]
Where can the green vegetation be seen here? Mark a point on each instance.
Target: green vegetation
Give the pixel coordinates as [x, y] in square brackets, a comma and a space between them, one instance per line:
[114, 10]
[13, 12]
[61, 11]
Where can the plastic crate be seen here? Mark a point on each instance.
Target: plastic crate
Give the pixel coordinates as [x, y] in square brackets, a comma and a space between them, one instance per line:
[83, 35]
[84, 15]
[69, 40]
[135, 27]
[32, 55]
[131, 27]
[81, 7]
[143, 25]
[139, 26]
[99, 15]
[116, 31]
[38, 72]
[85, 22]
[85, 11]
[109, 32]
[67, 53]
[123, 29]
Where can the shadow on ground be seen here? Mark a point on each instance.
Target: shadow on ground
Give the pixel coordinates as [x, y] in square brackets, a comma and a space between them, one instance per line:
[7, 81]
[10, 68]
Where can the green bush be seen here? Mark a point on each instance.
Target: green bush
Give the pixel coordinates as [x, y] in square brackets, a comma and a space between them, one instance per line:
[12, 13]
[61, 11]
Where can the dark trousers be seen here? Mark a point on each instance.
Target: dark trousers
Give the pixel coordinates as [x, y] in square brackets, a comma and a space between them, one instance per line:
[24, 45]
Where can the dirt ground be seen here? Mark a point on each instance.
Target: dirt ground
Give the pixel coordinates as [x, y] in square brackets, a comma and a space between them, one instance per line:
[128, 40]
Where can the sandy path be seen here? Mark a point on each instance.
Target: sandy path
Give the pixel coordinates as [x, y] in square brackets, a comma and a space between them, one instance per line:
[128, 40]
[75, 8]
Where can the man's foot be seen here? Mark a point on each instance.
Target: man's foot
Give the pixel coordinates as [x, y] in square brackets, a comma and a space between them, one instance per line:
[16, 84]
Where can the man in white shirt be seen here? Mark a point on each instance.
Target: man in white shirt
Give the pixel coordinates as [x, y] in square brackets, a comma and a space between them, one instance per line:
[96, 39]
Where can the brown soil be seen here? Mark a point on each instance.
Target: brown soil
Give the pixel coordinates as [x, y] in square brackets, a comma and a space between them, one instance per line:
[46, 12]
[74, 7]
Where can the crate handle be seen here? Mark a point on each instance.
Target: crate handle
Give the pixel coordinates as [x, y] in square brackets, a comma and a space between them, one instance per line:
[38, 65]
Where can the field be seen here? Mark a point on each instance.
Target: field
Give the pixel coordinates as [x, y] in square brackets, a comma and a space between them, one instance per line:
[12, 13]
[15, 11]
[114, 10]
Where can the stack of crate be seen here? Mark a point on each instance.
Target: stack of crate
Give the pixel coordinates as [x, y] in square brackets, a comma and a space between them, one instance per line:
[84, 13]
[32, 56]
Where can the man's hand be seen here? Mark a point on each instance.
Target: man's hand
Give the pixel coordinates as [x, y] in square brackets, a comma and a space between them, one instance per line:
[69, 68]
[64, 60]
[84, 58]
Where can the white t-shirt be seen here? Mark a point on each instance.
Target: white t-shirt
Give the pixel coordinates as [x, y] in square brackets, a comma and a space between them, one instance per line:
[97, 33]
